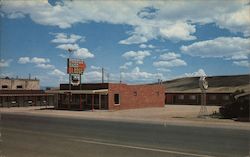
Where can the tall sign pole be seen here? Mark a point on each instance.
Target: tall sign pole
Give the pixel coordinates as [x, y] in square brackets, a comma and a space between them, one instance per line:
[70, 98]
[75, 68]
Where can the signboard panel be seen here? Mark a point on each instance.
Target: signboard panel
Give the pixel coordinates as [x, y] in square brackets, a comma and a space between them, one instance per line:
[75, 79]
[75, 66]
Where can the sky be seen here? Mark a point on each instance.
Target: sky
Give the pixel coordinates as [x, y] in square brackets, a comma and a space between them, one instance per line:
[135, 41]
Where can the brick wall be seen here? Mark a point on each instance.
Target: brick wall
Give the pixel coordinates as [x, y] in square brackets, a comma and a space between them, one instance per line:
[136, 96]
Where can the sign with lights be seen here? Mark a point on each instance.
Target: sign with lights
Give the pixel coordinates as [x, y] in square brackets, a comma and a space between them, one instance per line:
[75, 79]
[75, 66]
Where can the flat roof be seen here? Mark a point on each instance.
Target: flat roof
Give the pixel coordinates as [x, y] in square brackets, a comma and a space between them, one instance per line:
[99, 91]
[196, 92]
[4, 95]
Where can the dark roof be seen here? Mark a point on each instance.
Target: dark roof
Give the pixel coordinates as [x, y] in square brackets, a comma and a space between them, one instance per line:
[85, 86]
[22, 92]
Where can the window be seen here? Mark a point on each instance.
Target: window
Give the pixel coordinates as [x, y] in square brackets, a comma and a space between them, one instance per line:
[4, 86]
[180, 97]
[192, 97]
[135, 93]
[212, 97]
[19, 86]
[117, 99]
[226, 97]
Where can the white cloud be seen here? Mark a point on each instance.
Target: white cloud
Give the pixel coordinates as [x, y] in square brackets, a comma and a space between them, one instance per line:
[45, 66]
[83, 53]
[243, 63]
[178, 31]
[136, 75]
[16, 15]
[66, 47]
[43, 63]
[37, 60]
[163, 70]
[169, 60]
[5, 63]
[64, 39]
[169, 56]
[126, 65]
[57, 72]
[238, 21]
[149, 20]
[144, 46]
[93, 76]
[135, 39]
[198, 73]
[138, 56]
[68, 43]
[241, 56]
[225, 47]
[170, 63]
[23, 60]
[95, 67]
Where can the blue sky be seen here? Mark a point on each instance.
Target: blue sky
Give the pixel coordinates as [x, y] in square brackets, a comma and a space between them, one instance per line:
[140, 40]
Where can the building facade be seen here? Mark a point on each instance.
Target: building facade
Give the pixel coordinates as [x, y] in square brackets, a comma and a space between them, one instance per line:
[23, 92]
[19, 84]
[109, 96]
[194, 98]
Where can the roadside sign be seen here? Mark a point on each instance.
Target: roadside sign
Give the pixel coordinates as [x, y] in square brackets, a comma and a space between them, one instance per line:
[75, 66]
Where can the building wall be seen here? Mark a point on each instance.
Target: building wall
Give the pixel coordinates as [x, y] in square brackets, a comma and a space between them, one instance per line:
[24, 84]
[195, 98]
[136, 96]
[23, 99]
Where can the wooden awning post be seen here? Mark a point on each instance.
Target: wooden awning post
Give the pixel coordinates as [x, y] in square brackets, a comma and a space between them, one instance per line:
[80, 102]
[92, 103]
[100, 101]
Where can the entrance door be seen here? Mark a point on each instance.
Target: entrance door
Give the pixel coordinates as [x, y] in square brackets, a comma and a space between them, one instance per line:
[104, 102]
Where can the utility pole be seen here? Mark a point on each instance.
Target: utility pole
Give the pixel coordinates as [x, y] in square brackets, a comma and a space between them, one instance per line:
[120, 76]
[102, 75]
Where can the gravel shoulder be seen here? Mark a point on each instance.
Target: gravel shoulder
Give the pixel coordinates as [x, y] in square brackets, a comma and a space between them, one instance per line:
[183, 115]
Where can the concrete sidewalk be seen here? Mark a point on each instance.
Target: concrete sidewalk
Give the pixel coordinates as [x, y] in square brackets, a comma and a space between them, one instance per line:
[183, 115]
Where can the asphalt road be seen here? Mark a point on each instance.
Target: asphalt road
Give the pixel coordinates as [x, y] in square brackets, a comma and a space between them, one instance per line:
[34, 136]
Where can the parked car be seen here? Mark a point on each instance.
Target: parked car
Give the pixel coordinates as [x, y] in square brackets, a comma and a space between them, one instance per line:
[238, 108]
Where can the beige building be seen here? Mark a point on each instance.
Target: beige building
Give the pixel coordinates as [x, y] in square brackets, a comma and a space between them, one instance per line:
[23, 92]
[19, 84]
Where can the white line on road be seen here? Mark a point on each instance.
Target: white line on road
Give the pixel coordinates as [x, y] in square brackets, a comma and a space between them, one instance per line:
[141, 148]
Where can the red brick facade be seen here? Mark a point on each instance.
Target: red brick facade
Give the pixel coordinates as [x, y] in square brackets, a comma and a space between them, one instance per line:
[136, 96]
[128, 96]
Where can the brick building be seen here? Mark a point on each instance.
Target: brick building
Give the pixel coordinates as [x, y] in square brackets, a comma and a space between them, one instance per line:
[109, 96]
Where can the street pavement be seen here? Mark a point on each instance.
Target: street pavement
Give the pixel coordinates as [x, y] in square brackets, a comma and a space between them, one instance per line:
[41, 136]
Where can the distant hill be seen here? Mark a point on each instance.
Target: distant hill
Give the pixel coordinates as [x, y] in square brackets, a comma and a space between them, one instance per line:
[216, 84]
